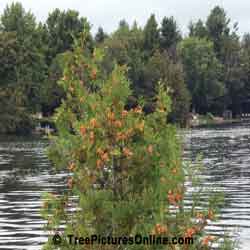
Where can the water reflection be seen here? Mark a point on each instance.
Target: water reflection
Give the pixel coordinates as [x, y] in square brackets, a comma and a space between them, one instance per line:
[226, 156]
[25, 174]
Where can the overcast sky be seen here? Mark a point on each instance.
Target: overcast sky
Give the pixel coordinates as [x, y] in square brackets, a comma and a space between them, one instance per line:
[107, 13]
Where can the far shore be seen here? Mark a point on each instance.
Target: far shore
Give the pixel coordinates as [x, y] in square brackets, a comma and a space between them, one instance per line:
[215, 122]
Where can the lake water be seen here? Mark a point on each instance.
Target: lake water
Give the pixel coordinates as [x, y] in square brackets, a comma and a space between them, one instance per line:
[226, 158]
[25, 174]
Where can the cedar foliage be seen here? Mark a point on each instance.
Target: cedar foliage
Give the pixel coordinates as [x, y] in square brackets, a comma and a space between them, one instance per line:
[125, 175]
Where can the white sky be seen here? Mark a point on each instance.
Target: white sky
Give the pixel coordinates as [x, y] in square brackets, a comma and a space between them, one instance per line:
[107, 13]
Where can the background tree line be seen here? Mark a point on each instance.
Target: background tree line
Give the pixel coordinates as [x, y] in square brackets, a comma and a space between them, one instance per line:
[206, 71]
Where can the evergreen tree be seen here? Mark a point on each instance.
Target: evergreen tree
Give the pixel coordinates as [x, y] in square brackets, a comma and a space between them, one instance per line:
[16, 19]
[151, 36]
[218, 30]
[124, 166]
[170, 35]
[198, 29]
[100, 35]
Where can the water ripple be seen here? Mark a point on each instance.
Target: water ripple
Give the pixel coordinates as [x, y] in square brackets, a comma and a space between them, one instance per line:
[25, 174]
[226, 159]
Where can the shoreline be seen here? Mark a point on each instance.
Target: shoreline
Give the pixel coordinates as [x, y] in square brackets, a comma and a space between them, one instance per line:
[215, 123]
